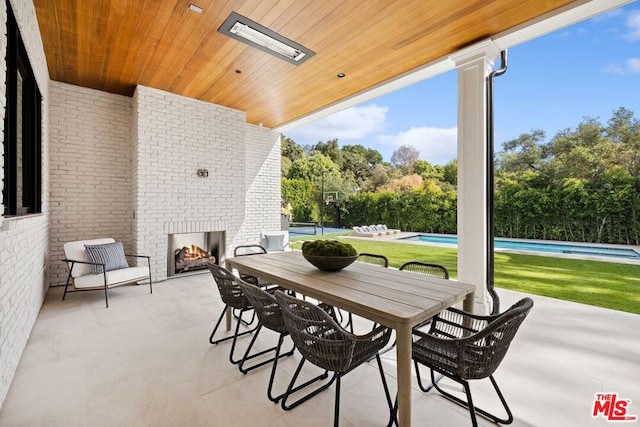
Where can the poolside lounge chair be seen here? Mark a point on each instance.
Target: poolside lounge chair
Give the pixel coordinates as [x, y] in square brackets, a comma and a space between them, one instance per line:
[374, 230]
[389, 230]
[368, 231]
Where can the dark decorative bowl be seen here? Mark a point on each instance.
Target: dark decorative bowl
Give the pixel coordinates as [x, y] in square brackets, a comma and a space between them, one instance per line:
[330, 263]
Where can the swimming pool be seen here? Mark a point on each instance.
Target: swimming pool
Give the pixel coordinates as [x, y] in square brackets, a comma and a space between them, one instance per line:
[521, 245]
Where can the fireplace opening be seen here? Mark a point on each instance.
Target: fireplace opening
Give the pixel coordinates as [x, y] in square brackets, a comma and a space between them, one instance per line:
[192, 252]
[192, 258]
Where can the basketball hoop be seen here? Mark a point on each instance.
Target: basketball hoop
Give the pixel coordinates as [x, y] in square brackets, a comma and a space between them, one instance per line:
[330, 197]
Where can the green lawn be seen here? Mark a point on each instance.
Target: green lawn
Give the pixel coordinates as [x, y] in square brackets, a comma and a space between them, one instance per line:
[603, 284]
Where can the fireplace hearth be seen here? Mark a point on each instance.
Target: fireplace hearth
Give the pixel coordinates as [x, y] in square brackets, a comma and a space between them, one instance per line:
[192, 252]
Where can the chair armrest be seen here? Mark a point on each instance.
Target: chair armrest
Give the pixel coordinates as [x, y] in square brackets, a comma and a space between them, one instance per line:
[77, 261]
[488, 318]
[458, 343]
[379, 333]
[140, 256]
[73, 261]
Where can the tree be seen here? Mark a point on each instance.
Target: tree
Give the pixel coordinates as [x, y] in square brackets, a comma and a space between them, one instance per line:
[372, 157]
[450, 172]
[407, 182]
[379, 177]
[428, 171]
[291, 150]
[404, 158]
[330, 149]
[299, 193]
[523, 153]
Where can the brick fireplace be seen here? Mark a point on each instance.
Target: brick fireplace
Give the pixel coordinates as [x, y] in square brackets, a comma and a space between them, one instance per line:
[174, 139]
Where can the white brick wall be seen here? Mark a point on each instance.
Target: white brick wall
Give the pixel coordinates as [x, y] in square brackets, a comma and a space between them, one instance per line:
[174, 137]
[262, 177]
[90, 162]
[23, 284]
[112, 156]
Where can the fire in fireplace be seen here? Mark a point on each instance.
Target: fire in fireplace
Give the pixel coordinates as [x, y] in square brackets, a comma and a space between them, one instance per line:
[190, 252]
[192, 258]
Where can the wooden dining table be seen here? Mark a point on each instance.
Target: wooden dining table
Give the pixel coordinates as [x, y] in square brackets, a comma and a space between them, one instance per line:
[397, 299]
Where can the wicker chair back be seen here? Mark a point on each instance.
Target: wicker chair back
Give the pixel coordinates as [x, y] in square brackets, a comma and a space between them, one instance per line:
[425, 268]
[265, 306]
[230, 292]
[470, 346]
[376, 259]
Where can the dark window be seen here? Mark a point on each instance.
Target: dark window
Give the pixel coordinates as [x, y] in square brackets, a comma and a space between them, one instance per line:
[22, 130]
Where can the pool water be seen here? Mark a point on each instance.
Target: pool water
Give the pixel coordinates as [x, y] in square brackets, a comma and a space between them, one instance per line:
[558, 248]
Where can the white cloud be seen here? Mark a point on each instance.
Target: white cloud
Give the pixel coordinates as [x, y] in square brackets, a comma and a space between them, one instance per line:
[436, 145]
[613, 69]
[632, 65]
[633, 24]
[352, 124]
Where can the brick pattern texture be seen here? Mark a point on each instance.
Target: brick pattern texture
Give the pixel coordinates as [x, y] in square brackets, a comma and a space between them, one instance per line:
[127, 168]
[24, 257]
[90, 162]
[173, 137]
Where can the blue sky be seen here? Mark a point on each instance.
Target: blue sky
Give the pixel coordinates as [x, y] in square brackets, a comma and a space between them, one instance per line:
[589, 69]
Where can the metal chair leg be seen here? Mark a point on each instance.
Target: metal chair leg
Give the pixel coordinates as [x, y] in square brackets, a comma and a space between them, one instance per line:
[469, 403]
[270, 396]
[247, 356]
[433, 380]
[336, 406]
[233, 337]
[291, 389]
[67, 285]
[387, 395]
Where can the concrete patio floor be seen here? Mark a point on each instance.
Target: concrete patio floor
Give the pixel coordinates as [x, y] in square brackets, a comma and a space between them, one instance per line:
[146, 361]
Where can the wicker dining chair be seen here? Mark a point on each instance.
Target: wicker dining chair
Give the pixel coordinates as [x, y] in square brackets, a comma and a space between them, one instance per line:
[234, 299]
[270, 316]
[324, 343]
[249, 250]
[425, 268]
[463, 346]
[376, 259]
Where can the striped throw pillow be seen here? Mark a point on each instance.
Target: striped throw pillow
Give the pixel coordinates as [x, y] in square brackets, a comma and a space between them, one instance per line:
[110, 254]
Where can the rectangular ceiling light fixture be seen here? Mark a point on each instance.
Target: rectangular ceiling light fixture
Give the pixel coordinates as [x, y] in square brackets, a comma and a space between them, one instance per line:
[254, 34]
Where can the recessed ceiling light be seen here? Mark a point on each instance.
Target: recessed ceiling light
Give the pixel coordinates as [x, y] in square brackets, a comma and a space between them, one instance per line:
[244, 29]
[341, 75]
[195, 8]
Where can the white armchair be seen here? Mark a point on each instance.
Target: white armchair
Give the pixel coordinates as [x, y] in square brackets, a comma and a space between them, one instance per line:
[101, 264]
[275, 241]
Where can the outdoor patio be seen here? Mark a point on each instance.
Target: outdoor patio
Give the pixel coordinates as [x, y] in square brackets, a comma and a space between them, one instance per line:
[146, 360]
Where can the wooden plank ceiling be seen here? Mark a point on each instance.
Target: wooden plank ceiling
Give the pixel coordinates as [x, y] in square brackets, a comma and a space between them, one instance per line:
[114, 45]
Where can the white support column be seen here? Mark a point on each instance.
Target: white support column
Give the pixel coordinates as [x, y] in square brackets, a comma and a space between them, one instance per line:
[474, 64]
